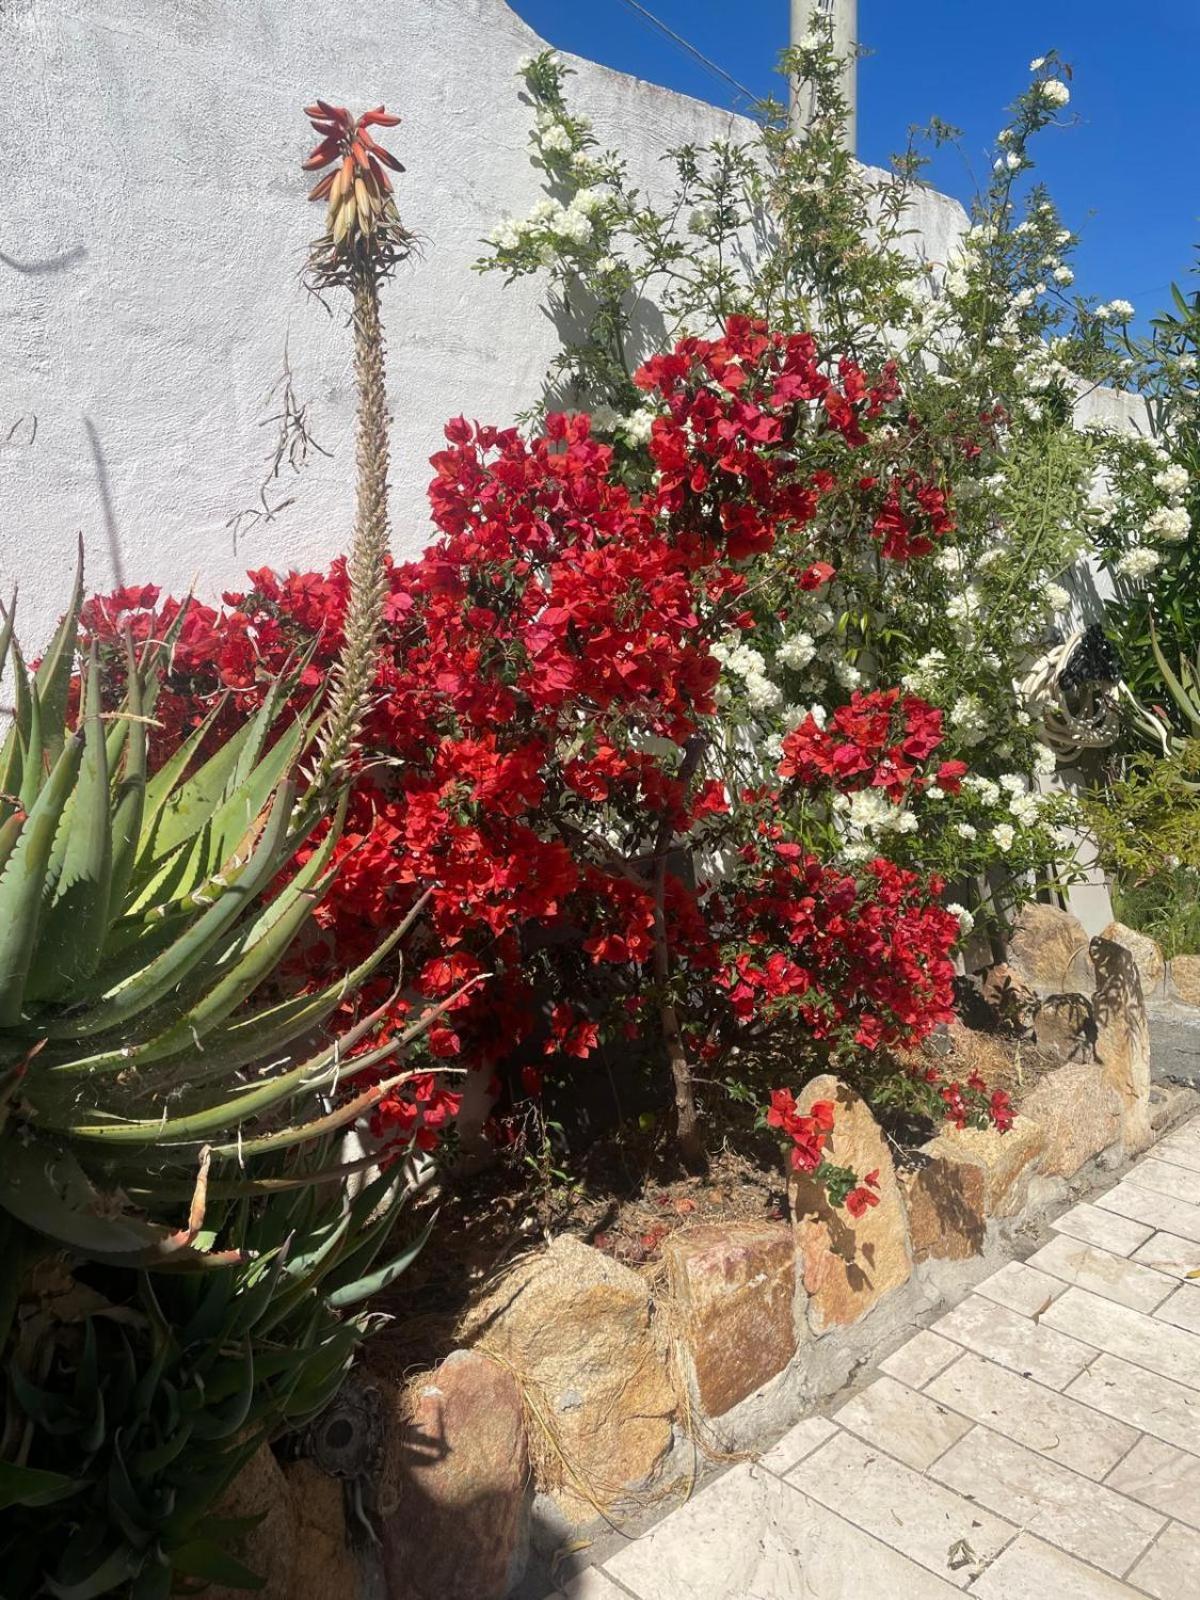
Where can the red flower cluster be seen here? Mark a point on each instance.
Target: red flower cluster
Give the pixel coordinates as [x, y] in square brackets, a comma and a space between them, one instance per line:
[880, 740]
[809, 1132]
[545, 702]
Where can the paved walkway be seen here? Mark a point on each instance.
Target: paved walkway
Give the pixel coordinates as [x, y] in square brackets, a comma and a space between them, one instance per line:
[1042, 1439]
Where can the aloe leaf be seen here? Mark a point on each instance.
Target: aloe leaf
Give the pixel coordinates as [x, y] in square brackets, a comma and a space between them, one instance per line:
[179, 961]
[201, 1558]
[114, 1569]
[30, 1486]
[53, 678]
[47, 1190]
[74, 924]
[165, 781]
[23, 881]
[223, 1423]
[33, 763]
[377, 1281]
[129, 794]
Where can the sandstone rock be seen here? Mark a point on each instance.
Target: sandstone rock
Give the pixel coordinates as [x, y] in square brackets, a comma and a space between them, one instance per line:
[1006, 1160]
[1048, 949]
[578, 1327]
[456, 1486]
[1065, 1026]
[269, 1548]
[1145, 952]
[325, 1566]
[944, 1201]
[734, 1288]
[1185, 979]
[1080, 1113]
[1123, 1038]
[848, 1264]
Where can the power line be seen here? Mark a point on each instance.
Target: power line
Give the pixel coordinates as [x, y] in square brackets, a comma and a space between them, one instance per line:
[678, 40]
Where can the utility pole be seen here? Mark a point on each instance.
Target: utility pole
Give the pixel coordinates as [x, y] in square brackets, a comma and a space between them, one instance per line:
[807, 14]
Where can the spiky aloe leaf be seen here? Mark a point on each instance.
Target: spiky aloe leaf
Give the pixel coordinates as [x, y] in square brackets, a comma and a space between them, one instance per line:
[73, 925]
[352, 1294]
[1188, 704]
[160, 976]
[45, 1188]
[129, 796]
[29, 1486]
[22, 882]
[53, 677]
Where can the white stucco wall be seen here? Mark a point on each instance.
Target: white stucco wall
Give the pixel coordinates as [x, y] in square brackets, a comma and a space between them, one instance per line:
[153, 228]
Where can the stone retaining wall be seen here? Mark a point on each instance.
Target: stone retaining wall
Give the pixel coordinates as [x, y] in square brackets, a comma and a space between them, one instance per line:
[587, 1388]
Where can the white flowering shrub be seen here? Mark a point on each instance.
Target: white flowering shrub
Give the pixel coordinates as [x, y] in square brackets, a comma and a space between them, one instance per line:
[989, 352]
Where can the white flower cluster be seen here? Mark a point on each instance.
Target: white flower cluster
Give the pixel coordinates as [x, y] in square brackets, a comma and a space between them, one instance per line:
[969, 719]
[1139, 562]
[550, 222]
[637, 427]
[1054, 91]
[926, 677]
[797, 651]
[1114, 311]
[743, 661]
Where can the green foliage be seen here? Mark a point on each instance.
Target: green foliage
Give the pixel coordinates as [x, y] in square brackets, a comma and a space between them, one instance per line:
[162, 1136]
[1167, 907]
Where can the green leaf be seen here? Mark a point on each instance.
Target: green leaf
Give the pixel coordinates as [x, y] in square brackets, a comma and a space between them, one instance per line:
[30, 1486]
[201, 1558]
[374, 1283]
[53, 677]
[74, 925]
[23, 880]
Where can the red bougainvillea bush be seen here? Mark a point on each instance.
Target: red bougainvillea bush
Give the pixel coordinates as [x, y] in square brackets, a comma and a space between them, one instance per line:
[548, 756]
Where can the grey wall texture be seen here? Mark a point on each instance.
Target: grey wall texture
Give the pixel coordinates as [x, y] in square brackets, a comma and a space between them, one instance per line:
[151, 240]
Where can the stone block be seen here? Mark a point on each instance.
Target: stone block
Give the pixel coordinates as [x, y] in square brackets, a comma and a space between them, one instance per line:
[1184, 980]
[1123, 1038]
[1048, 949]
[946, 1217]
[734, 1287]
[456, 1486]
[1145, 951]
[1006, 1161]
[1080, 1113]
[578, 1327]
[269, 1549]
[1065, 1025]
[325, 1565]
[847, 1264]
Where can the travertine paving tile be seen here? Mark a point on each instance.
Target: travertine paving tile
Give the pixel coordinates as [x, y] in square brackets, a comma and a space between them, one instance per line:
[1031, 1570]
[1135, 1337]
[1161, 1476]
[1111, 1276]
[1021, 1288]
[923, 1357]
[1094, 1225]
[1155, 1210]
[921, 1519]
[1171, 1569]
[797, 1443]
[1073, 1513]
[1168, 1410]
[752, 1536]
[908, 1425]
[592, 1585]
[1166, 1252]
[1181, 1183]
[1054, 1425]
[1181, 1147]
[1030, 1348]
[1182, 1310]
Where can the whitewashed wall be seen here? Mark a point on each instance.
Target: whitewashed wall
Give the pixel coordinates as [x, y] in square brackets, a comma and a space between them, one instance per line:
[151, 236]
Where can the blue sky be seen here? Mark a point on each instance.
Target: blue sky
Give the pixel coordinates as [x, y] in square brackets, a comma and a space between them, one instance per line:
[1126, 175]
